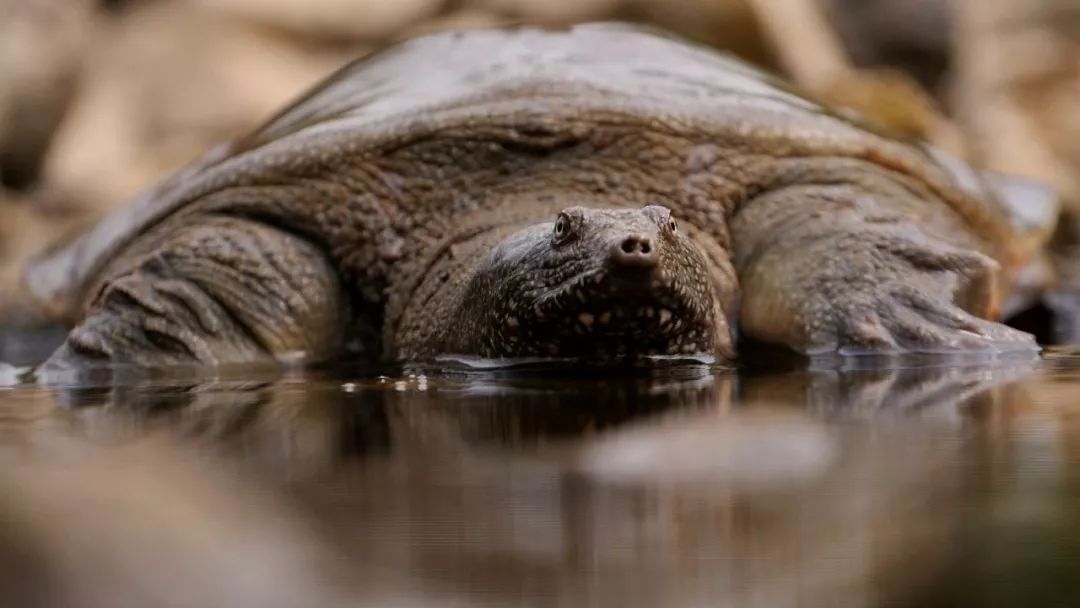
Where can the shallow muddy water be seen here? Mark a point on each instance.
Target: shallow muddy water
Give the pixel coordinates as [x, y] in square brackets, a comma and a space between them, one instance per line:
[916, 483]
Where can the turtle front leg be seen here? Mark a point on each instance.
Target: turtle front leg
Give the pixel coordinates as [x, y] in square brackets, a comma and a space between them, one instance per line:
[832, 269]
[218, 290]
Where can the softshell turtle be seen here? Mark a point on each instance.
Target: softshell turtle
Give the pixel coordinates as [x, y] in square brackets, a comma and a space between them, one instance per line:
[602, 191]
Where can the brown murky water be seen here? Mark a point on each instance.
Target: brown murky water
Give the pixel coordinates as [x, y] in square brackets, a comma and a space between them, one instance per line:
[921, 483]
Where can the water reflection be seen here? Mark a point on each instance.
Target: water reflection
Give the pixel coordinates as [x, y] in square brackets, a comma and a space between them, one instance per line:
[674, 486]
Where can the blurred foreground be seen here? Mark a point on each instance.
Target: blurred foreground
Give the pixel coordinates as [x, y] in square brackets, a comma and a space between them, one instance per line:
[940, 484]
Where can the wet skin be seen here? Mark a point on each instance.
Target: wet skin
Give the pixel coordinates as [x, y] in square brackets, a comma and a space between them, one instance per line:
[523, 193]
[594, 282]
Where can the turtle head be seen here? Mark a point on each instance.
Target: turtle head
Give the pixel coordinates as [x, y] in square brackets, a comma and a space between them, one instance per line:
[594, 283]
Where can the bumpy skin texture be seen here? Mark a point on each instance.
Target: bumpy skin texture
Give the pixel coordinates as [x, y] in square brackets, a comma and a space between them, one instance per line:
[592, 283]
[417, 191]
[218, 291]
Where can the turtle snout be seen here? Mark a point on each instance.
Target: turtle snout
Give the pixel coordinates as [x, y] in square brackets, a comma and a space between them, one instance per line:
[635, 251]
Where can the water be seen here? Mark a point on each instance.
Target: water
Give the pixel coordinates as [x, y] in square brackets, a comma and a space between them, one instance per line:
[915, 483]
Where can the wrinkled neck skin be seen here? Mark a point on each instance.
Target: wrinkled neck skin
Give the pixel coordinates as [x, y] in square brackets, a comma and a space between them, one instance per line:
[587, 283]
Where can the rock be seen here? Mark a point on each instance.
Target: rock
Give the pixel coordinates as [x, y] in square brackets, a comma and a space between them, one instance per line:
[147, 524]
[909, 34]
[42, 44]
[347, 19]
[27, 226]
[464, 19]
[169, 81]
[750, 451]
[552, 12]
[726, 24]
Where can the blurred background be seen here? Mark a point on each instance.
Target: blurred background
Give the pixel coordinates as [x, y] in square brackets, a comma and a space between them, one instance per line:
[101, 98]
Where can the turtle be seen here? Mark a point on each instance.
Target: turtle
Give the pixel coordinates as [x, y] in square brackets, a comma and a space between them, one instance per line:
[598, 192]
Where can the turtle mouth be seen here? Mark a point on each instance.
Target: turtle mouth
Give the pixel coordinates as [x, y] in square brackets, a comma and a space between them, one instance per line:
[625, 312]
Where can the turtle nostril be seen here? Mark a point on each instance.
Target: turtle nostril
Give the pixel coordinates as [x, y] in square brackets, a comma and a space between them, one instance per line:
[635, 250]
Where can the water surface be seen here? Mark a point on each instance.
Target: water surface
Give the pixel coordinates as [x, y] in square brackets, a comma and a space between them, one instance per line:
[923, 482]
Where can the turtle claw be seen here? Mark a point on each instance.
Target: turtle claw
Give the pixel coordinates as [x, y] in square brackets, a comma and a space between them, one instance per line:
[909, 321]
[867, 334]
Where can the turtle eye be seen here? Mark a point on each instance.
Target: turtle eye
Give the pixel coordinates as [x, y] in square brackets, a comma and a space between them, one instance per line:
[563, 228]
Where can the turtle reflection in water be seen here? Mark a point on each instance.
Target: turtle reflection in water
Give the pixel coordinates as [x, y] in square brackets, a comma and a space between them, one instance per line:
[686, 488]
[602, 191]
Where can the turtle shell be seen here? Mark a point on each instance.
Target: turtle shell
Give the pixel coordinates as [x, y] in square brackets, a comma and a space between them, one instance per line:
[530, 88]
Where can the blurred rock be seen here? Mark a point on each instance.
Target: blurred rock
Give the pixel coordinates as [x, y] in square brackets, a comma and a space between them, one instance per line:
[369, 20]
[552, 12]
[147, 524]
[726, 24]
[814, 58]
[1017, 95]
[28, 226]
[42, 45]
[1017, 91]
[912, 35]
[888, 97]
[166, 82]
[465, 19]
[758, 450]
